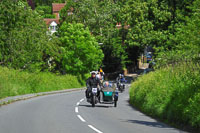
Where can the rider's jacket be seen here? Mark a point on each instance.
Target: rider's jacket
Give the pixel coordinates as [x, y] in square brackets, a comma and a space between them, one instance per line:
[93, 82]
[120, 79]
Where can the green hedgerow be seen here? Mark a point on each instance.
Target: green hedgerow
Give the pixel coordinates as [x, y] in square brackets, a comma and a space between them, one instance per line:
[14, 82]
[171, 93]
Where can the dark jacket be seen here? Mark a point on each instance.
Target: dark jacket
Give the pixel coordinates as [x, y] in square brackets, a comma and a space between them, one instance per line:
[92, 82]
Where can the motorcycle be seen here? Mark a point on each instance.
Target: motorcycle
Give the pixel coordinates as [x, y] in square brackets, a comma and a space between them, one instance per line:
[121, 86]
[94, 98]
[108, 95]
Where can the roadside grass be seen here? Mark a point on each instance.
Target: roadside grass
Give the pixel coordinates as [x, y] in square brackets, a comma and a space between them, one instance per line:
[171, 94]
[15, 82]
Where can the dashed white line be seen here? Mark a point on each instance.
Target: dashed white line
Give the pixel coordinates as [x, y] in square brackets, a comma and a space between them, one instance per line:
[81, 100]
[98, 131]
[81, 118]
[76, 109]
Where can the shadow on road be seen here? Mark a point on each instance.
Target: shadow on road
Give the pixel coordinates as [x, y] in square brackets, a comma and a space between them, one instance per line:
[98, 106]
[156, 123]
[148, 123]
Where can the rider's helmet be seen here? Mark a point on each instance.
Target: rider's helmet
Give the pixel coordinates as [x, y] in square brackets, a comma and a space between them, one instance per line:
[120, 75]
[93, 72]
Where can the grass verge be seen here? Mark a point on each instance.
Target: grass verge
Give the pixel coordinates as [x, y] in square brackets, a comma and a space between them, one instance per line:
[14, 82]
[171, 94]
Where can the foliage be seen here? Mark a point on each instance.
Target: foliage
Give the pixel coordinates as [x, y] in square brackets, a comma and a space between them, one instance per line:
[170, 93]
[80, 50]
[15, 82]
[101, 19]
[156, 23]
[45, 11]
[186, 38]
[47, 2]
[23, 36]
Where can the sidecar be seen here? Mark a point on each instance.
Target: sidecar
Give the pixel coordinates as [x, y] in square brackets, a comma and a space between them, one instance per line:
[109, 94]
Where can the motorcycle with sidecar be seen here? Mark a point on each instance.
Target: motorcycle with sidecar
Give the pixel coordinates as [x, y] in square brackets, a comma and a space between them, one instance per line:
[108, 94]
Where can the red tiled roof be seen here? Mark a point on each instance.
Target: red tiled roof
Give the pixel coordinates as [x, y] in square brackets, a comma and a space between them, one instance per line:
[50, 20]
[57, 6]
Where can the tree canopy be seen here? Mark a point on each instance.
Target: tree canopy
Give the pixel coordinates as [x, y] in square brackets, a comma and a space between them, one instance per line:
[80, 50]
[170, 27]
[23, 36]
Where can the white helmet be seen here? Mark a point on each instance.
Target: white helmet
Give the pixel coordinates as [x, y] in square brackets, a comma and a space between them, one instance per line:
[93, 72]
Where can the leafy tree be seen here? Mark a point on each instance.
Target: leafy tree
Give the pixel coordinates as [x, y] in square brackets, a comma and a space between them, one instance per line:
[101, 18]
[23, 36]
[154, 23]
[47, 2]
[186, 38]
[45, 11]
[80, 50]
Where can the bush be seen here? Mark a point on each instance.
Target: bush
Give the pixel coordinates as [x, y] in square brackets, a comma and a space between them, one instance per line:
[14, 82]
[49, 16]
[44, 9]
[171, 93]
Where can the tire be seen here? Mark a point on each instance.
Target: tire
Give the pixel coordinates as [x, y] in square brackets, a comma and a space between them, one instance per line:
[93, 100]
[121, 89]
[115, 103]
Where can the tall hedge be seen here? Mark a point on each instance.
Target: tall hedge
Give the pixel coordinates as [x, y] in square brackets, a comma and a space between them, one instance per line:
[171, 93]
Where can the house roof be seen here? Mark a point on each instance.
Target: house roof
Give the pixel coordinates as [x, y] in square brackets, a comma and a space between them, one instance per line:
[50, 20]
[57, 6]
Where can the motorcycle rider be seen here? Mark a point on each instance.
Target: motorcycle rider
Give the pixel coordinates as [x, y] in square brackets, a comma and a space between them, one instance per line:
[92, 82]
[101, 73]
[120, 79]
[98, 75]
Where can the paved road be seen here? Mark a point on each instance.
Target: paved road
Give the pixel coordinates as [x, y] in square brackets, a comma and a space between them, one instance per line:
[70, 113]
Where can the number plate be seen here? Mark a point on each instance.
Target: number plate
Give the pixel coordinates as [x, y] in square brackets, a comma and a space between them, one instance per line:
[94, 90]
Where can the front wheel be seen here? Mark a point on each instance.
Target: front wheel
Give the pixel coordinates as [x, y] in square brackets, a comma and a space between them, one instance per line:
[115, 103]
[93, 100]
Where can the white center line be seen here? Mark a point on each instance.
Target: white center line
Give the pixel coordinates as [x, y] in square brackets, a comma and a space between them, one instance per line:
[81, 118]
[76, 109]
[94, 129]
[78, 103]
[81, 100]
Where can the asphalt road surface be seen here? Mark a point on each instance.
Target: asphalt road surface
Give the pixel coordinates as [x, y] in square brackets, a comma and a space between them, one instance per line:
[70, 113]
